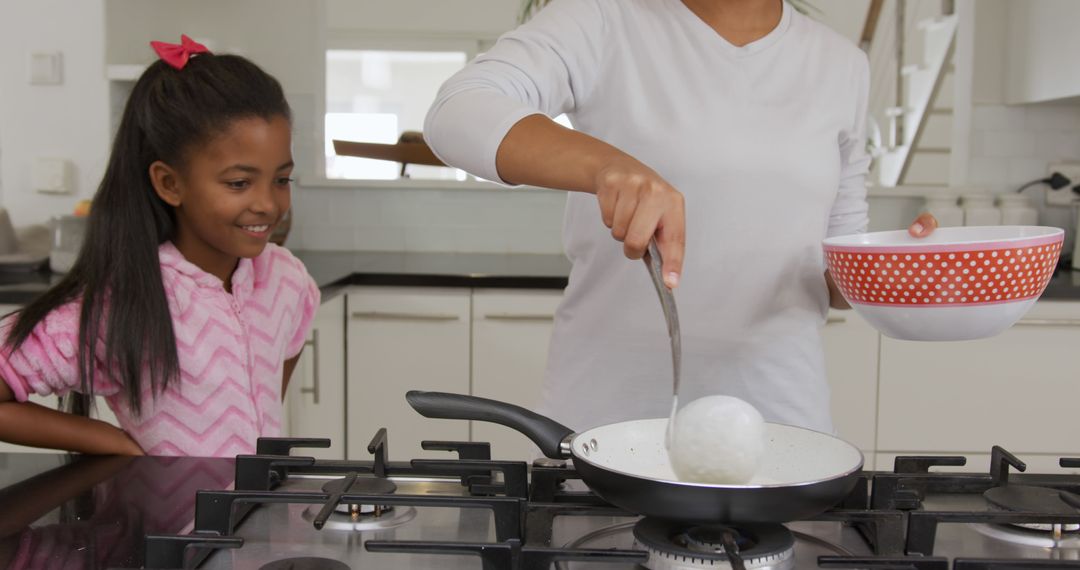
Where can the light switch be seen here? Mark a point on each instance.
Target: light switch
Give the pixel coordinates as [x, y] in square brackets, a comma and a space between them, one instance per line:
[46, 68]
[52, 176]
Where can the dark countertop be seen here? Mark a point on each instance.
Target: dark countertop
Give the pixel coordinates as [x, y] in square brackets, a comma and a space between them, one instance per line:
[335, 270]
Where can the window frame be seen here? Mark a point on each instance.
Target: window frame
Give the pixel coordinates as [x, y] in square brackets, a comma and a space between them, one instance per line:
[470, 45]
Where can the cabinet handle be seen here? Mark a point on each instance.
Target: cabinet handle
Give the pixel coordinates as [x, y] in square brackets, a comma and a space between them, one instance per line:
[1049, 323]
[391, 316]
[835, 320]
[314, 389]
[519, 317]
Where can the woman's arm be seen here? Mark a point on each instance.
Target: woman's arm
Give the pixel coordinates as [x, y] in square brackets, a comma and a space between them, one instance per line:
[26, 423]
[635, 201]
[491, 119]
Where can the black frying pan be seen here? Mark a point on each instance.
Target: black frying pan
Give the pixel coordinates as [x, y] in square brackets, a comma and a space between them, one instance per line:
[803, 472]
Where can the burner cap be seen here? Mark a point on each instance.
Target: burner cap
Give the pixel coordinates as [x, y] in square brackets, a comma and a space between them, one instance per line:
[362, 486]
[305, 564]
[758, 543]
[1028, 498]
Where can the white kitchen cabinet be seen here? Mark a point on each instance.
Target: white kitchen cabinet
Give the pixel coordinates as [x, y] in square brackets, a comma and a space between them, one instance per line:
[315, 403]
[511, 330]
[851, 361]
[402, 339]
[1018, 390]
[101, 408]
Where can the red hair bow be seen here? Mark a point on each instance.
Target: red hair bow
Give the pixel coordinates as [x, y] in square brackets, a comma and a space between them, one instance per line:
[177, 55]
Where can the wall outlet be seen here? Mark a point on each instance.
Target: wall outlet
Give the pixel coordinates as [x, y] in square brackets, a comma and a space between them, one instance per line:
[1064, 196]
[52, 176]
[46, 68]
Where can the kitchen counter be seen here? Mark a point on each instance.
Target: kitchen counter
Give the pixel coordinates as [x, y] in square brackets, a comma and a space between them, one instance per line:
[335, 270]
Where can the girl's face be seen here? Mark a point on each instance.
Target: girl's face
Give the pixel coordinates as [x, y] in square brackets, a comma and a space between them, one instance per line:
[231, 193]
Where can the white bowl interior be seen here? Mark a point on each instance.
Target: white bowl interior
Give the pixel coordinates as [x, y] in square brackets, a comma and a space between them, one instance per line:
[967, 235]
[792, 455]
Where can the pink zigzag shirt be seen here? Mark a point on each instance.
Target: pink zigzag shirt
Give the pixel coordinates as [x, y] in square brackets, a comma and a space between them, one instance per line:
[231, 347]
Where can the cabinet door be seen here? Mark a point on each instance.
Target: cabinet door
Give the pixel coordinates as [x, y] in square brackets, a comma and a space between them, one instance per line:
[851, 360]
[1018, 390]
[402, 339]
[315, 403]
[101, 409]
[511, 332]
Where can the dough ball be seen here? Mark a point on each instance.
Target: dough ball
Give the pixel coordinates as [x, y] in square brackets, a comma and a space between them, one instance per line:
[717, 440]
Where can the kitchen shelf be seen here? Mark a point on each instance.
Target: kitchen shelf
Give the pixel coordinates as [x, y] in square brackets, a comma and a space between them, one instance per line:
[124, 72]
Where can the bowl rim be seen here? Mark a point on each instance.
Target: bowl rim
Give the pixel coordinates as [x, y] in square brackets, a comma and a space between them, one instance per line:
[847, 243]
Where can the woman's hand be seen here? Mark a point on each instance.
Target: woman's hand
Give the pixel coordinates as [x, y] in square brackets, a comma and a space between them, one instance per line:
[923, 226]
[636, 203]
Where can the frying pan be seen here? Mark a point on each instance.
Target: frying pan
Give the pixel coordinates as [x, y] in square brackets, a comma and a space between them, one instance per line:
[802, 474]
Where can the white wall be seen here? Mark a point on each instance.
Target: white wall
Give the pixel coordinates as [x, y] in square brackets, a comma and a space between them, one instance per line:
[62, 121]
[496, 220]
[459, 18]
[1043, 50]
[283, 37]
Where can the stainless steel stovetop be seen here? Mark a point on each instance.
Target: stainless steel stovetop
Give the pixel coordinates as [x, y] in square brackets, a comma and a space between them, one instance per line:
[265, 511]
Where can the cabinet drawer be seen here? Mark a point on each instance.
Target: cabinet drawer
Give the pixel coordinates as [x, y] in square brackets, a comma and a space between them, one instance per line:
[1017, 390]
[511, 331]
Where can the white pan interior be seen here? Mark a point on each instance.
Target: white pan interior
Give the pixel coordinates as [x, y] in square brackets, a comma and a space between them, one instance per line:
[793, 456]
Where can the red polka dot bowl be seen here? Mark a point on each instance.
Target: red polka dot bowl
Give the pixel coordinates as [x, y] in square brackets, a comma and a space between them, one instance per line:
[959, 283]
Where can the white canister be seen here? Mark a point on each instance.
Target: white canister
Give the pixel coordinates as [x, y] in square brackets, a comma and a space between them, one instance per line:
[979, 210]
[945, 208]
[1016, 210]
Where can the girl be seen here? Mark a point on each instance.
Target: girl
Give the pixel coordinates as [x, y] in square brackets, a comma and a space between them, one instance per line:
[177, 310]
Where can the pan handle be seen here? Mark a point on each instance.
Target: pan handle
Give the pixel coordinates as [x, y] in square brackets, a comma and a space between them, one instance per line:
[546, 433]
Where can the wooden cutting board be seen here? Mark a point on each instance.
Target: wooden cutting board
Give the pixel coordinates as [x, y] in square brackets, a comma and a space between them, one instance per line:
[403, 152]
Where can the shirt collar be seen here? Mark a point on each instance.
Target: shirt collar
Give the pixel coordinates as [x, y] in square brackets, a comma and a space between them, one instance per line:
[242, 278]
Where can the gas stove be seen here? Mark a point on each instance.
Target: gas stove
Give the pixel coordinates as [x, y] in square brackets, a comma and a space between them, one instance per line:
[279, 509]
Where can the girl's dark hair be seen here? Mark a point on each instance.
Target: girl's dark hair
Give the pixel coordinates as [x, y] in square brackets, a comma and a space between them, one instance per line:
[125, 317]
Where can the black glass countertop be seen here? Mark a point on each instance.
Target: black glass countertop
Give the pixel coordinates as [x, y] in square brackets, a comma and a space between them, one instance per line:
[92, 513]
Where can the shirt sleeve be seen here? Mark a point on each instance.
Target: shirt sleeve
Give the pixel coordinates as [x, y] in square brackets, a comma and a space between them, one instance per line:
[850, 210]
[306, 307]
[46, 363]
[546, 66]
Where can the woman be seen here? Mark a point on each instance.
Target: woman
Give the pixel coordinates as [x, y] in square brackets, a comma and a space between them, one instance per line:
[733, 128]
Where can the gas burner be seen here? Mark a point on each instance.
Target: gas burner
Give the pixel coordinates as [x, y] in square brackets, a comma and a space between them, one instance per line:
[362, 486]
[677, 546]
[1028, 498]
[305, 564]
[1043, 537]
[387, 517]
[549, 462]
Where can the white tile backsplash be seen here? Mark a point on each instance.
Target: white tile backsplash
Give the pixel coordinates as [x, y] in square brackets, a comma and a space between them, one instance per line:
[505, 220]
[1015, 144]
[1010, 145]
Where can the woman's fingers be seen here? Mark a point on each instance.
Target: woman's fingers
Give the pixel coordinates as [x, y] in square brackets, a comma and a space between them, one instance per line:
[924, 225]
[638, 205]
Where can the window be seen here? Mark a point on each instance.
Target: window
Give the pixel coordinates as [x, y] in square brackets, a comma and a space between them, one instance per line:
[374, 96]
